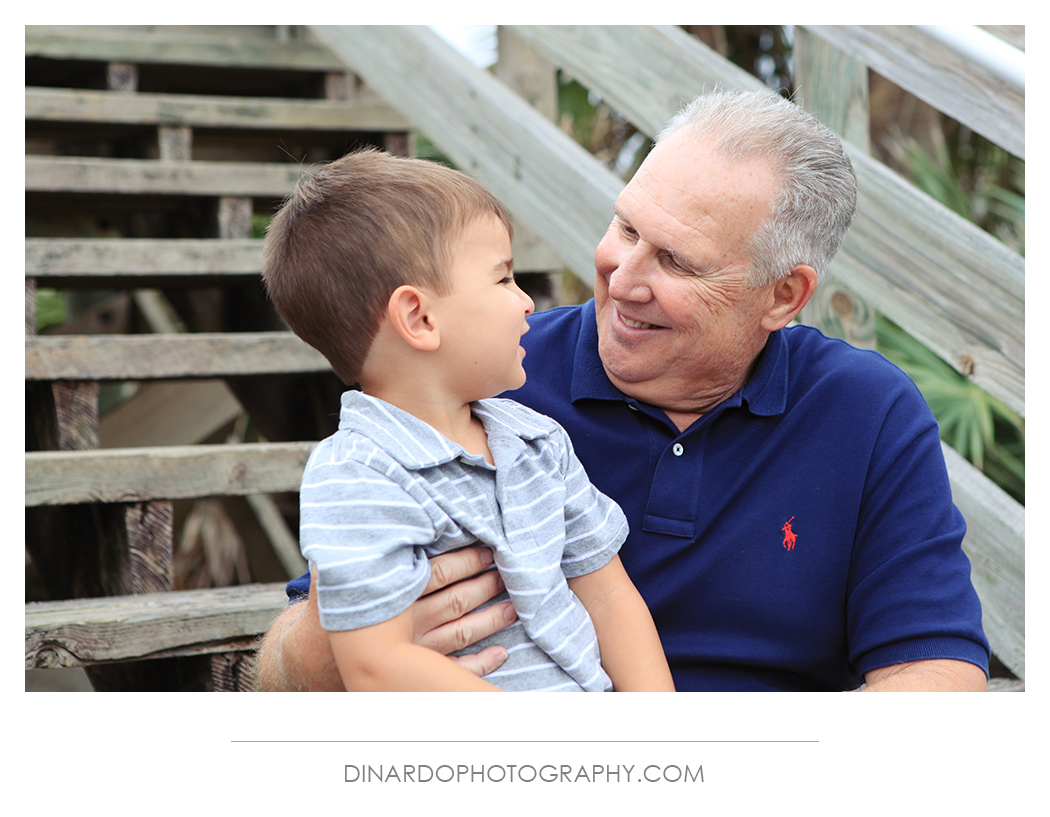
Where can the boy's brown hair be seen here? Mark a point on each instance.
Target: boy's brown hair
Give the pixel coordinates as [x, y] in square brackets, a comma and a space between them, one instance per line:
[353, 232]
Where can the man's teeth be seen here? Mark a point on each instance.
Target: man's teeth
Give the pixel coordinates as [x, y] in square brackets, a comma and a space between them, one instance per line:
[636, 324]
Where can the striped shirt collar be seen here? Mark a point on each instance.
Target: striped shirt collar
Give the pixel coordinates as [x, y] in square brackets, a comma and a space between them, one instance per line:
[415, 444]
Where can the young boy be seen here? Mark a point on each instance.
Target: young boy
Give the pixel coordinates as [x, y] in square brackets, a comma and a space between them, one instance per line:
[400, 272]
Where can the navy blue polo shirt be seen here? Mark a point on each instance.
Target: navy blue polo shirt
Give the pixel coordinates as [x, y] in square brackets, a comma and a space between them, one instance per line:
[799, 534]
[796, 536]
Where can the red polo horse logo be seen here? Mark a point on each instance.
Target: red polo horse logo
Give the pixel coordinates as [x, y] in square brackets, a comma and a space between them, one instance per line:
[789, 535]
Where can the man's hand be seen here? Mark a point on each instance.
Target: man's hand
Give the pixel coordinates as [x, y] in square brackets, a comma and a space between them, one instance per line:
[295, 654]
[442, 618]
[935, 675]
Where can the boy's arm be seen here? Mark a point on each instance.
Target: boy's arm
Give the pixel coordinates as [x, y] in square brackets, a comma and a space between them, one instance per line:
[296, 654]
[382, 658]
[629, 644]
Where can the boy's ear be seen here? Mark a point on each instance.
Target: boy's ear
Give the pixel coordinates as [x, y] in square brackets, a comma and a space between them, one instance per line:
[408, 311]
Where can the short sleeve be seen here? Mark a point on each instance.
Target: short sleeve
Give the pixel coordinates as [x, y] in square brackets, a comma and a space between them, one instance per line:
[910, 596]
[595, 527]
[366, 535]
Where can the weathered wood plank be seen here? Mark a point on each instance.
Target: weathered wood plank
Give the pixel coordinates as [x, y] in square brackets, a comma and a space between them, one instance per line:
[834, 88]
[83, 632]
[547, 180]
[48, 174]
[158, 357]
[995, 544]
[248, 113]
[92, 258]
[947, 282]
[171, 472]
[948, 81]
[176, 48]
[197, 261]
[169, 413]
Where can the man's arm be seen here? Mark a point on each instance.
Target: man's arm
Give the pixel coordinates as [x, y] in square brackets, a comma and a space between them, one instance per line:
[934, 675]
[629, 644]
[295, 654]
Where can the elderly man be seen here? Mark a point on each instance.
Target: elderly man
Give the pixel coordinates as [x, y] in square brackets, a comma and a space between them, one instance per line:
[791, 520]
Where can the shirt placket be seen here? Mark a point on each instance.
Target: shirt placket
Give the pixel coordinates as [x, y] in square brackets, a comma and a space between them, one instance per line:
[677, 472]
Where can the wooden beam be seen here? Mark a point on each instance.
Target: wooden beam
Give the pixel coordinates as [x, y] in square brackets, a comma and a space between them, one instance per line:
[995, 543]
[549, 182]
[246, 113]
[168, 472]
[84, 632]
[186, 47]
[68, 259]
[49, 174]
[165, 357]
[169, 413]
[951, 83]
[834, 88]
[126, 262]
[947, 282]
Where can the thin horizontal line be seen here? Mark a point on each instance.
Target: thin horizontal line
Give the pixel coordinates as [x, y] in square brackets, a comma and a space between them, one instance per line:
[524, 741]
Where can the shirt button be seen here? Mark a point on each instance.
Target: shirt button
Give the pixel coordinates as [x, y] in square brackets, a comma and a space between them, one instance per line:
[678, 449]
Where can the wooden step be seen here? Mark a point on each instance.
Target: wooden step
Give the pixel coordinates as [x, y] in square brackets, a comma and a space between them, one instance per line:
[168, 472]
[250, 47]
[124, 262]
[82, 632]
[153, 262]
[199, 111]
[164, 357]
[49, 174]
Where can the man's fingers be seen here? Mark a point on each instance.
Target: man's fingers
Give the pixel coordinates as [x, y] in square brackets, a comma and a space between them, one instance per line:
[462, 632]
[484, 662]
[449, 568]
[442, 618]
[450, 603]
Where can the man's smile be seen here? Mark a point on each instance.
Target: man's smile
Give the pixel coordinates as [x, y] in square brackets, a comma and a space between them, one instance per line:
[635, 324]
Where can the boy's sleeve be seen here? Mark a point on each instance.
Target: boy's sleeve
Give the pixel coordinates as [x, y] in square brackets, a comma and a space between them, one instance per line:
[595, 527]
[366, 535]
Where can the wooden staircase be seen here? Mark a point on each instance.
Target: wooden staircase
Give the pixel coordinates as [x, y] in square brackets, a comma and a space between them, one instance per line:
[150, 153]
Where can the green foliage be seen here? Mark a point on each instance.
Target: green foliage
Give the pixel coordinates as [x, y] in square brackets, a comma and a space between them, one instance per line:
[50, 308]
[604, 133]
[980, 427]
[260, 221]
[970, 175]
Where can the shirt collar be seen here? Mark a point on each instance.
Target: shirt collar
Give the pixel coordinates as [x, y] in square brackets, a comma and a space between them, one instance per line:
[765, 391]
[415, 444]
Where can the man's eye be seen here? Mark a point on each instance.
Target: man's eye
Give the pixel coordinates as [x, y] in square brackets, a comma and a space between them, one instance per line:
[673, 264]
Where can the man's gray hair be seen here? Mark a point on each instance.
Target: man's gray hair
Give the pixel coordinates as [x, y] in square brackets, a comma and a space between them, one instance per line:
[814, 205]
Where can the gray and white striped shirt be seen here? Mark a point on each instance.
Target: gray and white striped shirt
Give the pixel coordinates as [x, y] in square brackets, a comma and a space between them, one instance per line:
[387, 491]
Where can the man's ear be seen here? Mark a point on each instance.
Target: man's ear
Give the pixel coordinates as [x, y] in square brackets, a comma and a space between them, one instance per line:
[790, 294]
[408, 312]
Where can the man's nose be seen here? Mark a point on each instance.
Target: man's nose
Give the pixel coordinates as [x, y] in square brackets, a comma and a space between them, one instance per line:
[629, 279]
